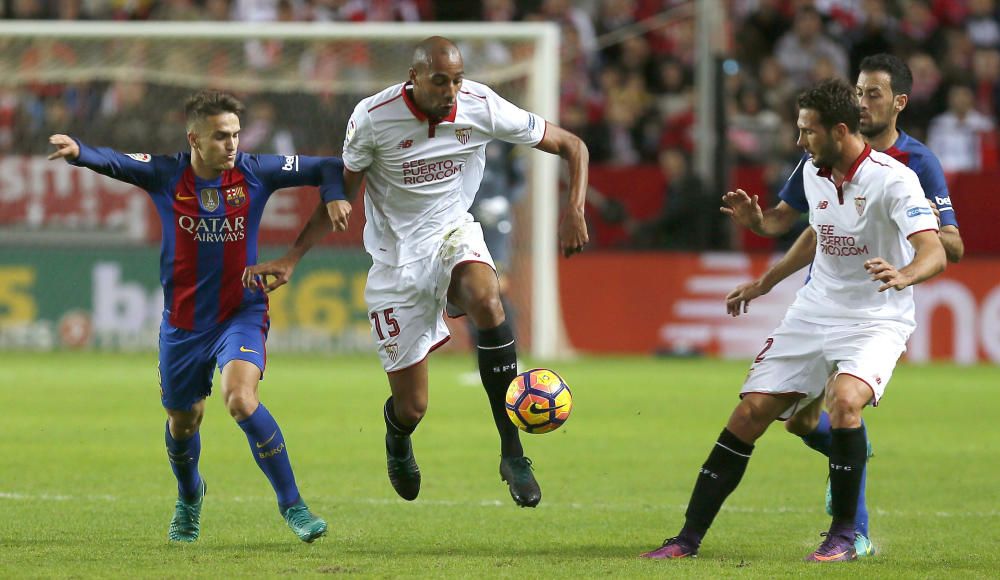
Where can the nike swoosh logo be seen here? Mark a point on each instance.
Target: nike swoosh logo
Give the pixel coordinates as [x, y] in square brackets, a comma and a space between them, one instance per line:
[269, 439]
[245, 349]
[180, 197]
[535, 409]
[828, 558]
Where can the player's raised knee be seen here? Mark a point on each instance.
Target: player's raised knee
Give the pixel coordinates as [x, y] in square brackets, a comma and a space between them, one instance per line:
[410, 412]
[241, 404]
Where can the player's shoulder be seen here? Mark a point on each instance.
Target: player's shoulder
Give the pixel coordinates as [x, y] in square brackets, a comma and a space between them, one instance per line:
[913, 147]
[886, 169]
[380, 99]
[888, 166]
[885, 163]
[476, 90]
[165, 164]
[919, 157]
[247, 162]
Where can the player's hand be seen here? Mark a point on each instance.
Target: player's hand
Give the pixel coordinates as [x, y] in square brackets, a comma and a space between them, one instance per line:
[572, 232]
[66, 147]
[743, 208]
[340, 214]
[739, 299]
[882, 271]
[256, 277]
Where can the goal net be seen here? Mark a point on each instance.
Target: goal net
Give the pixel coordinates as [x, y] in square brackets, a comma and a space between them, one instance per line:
[79, 251]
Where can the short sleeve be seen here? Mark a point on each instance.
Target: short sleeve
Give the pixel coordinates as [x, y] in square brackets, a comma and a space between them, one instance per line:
[793, 192]
[512, 123]
[908, 208]
[359, 140]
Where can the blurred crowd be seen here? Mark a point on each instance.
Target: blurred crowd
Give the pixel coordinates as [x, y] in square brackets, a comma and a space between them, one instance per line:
[627, 79]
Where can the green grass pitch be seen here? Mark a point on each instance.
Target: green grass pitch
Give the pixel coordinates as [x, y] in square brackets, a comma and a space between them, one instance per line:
[85, 488]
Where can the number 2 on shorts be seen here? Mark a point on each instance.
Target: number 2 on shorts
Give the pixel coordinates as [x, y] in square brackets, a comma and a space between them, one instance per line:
[767, 345]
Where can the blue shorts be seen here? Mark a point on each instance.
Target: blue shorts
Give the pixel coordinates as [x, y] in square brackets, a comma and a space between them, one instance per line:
[188, 358]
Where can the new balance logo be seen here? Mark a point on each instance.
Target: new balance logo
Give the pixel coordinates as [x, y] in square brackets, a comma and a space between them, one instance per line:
[823, 204]
[405, 144]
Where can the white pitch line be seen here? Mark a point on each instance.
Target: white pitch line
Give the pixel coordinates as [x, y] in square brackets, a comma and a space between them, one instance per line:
[504, 503]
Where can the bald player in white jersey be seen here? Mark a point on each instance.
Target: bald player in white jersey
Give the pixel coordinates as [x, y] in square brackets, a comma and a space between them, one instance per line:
[877, 237]
[420, 146]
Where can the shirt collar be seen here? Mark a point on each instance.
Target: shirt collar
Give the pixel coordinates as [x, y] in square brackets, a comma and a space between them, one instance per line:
[828, 171]
[420, 116]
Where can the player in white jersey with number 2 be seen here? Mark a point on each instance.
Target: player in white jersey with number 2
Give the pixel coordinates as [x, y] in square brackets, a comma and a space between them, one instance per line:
[420, 146]
[876, 237]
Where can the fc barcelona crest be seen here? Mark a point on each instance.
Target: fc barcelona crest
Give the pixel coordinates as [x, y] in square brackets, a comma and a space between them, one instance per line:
[859, 204]
[463, 135]
[209, 198]
[235, 196]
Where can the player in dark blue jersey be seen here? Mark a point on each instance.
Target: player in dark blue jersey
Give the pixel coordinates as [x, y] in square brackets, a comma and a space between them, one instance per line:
[883, 87]
[210, 202]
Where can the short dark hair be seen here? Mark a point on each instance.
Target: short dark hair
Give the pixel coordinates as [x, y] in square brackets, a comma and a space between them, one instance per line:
[208, 103]
[900, 76]
[835, 101]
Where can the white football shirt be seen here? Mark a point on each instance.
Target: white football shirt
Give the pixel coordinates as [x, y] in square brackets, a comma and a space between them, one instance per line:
[877, 208]
[422, 177]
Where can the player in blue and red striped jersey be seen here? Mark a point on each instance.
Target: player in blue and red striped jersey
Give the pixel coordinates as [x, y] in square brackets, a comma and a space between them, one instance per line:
[883, 86]
[210, 203]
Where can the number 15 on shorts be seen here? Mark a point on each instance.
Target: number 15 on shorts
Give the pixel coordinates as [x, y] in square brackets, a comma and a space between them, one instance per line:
[390, 323]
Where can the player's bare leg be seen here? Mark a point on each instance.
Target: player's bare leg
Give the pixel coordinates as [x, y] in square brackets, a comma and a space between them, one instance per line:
[722, 471]
[267, 444]
[183, 450]
[812, 424]
[846, 396]
[402, 412]
[476, 290]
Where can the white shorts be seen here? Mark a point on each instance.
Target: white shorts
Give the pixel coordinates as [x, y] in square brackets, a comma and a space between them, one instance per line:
[407, 304]
[799, 356]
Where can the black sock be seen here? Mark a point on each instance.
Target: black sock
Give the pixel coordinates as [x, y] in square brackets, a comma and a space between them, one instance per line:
[718, 477]
[848, 452]
[397, 435]
[497, 368]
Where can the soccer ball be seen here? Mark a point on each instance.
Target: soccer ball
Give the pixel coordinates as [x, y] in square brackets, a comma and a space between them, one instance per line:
[539, 401]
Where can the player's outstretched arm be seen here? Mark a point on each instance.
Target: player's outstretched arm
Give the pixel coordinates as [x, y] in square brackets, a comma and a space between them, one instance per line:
[951, 238]
[746, 211]
[66, 148]
[929, 261]
[274, 274]
[954, 247]
[139, 169]
[326, 217]
[572, 225]
[327, 173]
[800, 255]
[340, 210]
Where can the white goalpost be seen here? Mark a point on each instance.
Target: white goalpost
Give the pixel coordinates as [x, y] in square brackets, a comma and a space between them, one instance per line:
[328, 62]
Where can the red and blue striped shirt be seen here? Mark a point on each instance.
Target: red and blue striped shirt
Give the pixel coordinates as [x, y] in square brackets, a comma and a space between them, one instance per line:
[210, 227]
